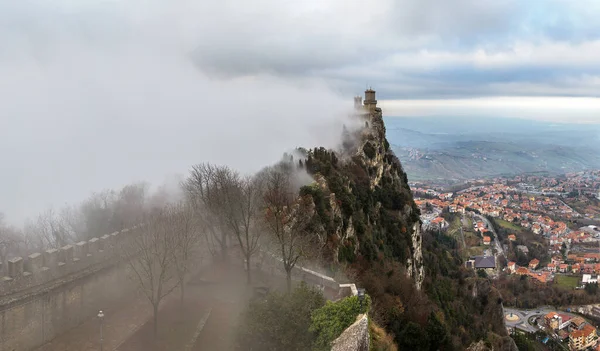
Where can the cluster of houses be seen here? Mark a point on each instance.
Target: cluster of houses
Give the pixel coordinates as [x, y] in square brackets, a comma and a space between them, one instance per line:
[584, 263]
[581, 335]
[504, 201]
[542, 276]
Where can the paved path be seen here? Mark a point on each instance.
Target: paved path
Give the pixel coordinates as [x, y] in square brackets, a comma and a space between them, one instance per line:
[499, 249]
[119, 324]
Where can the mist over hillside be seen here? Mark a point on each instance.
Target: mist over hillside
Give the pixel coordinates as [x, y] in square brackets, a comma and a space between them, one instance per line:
[467, 147]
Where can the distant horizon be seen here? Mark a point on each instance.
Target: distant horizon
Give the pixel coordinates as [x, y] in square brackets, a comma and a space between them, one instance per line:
[561, 110]
[549, 122]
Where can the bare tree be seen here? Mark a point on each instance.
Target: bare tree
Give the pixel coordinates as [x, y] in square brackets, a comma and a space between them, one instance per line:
[203, 189]
[186, 236]
[287, 217]
[46, 231]
[9, 239]
[149, 253]
[71, 221]
[98, 213]
[129, 205]
[242, 204]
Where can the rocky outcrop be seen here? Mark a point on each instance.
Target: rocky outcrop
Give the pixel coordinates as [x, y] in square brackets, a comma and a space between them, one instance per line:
[362, 195]
[500, 344]
[381, 162]
[355, 337]
[415, 266]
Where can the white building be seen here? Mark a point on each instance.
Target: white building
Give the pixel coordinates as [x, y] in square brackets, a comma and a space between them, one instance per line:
[588, 279]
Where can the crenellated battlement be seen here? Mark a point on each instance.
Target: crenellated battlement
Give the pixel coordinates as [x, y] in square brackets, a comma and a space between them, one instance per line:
[37, 269]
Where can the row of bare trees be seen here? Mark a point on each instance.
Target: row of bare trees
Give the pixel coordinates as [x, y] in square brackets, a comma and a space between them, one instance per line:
[162, 250]
[221, 209]
[261, 211]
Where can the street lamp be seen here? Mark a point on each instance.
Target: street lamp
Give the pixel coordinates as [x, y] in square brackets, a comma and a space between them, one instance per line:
[361, 297]
[101, 316]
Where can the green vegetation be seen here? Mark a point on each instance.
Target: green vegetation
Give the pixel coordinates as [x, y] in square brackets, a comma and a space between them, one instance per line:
[280, 321]
[350, 181]
[523, 342]
[301, 320]
[566, 281]
[369, 150]
[473, 244]
[444, 314]
[537, 246]
[529, 293]
[380, 339]
[454, 228]
[508, 225]
[329, 321]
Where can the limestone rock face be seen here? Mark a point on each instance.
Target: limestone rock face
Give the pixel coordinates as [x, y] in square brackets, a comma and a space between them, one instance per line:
[479, 346]
[415, 263]
[366, 206]
[355, 337]
[381, 160]
[503, 344]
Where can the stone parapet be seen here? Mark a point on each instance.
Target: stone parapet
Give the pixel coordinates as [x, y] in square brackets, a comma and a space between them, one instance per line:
[355, 337]
[42, 267]
[274, 266]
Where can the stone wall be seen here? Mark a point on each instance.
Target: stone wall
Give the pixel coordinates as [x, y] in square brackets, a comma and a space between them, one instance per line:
[41, 268]
[355, 337]
[333, 290]
[50, 292]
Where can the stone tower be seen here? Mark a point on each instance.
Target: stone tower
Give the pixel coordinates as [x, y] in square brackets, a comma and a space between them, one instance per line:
[370, 101]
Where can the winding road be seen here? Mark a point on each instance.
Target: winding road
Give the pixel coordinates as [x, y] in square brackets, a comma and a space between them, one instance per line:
[523, 317]
[499, 249]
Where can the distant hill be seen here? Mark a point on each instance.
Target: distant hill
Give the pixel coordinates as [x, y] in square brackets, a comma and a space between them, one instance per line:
[463, 148]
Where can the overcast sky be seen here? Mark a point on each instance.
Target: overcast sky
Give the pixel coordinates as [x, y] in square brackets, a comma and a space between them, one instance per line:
[96, 94]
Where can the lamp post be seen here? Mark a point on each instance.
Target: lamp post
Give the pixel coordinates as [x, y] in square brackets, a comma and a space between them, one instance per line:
[101, 317]
[361, 297]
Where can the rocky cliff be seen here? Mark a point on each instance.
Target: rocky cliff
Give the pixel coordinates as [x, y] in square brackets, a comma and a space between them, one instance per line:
[367, 225]
[364, 204]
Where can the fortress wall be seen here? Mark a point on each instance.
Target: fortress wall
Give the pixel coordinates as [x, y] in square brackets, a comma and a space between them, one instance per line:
[274, 266]
[35, 320]
[23, 273]
[49, 293]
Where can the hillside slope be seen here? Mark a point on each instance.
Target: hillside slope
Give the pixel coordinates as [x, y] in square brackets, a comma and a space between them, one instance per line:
[463, 148]
[369, 226]
[478, 159]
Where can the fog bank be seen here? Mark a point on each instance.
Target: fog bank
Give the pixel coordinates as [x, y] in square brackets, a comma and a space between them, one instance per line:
[96, 98]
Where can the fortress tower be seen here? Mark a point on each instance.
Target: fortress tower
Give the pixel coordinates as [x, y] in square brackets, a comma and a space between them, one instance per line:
[370, 101]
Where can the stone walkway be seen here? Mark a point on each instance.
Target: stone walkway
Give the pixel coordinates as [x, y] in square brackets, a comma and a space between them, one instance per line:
[118, 325]
[122, 322]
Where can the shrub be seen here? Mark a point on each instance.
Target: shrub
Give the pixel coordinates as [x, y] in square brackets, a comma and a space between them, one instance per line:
[280, 321]
[369, 150]
[329, 321]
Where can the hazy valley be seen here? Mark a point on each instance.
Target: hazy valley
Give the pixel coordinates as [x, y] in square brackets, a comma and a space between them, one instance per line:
[450, 148]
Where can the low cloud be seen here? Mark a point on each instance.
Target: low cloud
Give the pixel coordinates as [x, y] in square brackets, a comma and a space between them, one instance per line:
[101, 93]
[92, 109]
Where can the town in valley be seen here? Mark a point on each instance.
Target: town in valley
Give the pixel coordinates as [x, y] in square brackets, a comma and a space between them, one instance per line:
[540, 229]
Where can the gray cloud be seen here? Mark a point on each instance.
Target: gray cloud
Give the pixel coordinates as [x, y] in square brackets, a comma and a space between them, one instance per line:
[100, 93]
[88, 109]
